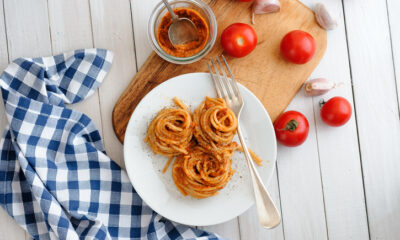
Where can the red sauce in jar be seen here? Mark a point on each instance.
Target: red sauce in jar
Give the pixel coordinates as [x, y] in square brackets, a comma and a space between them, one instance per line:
[187, 49]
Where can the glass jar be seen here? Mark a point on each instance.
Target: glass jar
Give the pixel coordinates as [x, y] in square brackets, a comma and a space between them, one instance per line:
[159, 12]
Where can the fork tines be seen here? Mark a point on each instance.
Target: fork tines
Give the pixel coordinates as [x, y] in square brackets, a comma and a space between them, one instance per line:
[225, 86]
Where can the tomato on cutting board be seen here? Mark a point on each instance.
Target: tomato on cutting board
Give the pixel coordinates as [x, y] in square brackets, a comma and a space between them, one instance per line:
[298, 47]
[291, 128]
[238, 39]
[336, 111]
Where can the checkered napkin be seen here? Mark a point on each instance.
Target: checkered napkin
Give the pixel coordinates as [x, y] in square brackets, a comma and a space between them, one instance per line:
[56, 180]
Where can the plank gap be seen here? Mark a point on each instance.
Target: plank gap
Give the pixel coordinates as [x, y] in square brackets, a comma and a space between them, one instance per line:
[320, 171]
[133, 35]
[393, 58]
[374, 104]
[91, 21]
[49, 21]
[280, 201]
[356, 118]
[5, 32]
[98, 89]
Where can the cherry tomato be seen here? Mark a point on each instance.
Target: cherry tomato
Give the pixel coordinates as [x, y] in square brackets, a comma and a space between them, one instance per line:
[238, 39]
[336, 111]
[291, 128]
[298, 47]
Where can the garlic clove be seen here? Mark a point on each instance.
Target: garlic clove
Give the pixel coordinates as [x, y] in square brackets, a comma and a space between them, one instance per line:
[324, 18]
[265, 6]
[318, 86]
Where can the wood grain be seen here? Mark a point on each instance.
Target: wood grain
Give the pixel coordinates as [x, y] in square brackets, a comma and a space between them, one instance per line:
[377, 113]
[112, 29]
[70, 29]
[28, 35]
[8, 227]
[228, 230]
[302, 199]
[338, 151]
[250, 227]
[272, 79]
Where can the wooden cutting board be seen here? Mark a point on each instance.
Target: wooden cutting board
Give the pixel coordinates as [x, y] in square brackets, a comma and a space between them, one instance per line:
[272, 79]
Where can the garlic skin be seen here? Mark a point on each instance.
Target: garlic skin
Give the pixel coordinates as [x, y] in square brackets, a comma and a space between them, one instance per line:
[318, 86]
[324, 18]
[265, 6]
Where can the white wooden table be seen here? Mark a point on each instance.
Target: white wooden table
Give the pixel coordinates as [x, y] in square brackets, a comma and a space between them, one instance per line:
[342, 183]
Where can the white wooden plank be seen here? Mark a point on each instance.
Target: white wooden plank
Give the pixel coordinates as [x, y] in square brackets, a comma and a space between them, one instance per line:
[9, 229]
[27, 28]
[70, 25]
[250, 227]
[70, 28]
[338, 147]
[228, 230]
[393, 8]
[140, 13]
[112, 29]
[377, 113]
[302, 203]
[27, 33]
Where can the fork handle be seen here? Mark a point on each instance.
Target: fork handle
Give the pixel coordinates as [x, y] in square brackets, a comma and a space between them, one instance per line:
[267, 211]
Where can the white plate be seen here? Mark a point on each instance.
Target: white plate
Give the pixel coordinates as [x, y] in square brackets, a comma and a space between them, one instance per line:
[158, 190]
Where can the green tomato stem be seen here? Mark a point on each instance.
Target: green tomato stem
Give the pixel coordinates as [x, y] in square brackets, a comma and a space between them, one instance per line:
[291, 125]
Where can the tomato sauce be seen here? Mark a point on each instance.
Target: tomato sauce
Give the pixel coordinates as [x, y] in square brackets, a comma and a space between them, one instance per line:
[187, 49]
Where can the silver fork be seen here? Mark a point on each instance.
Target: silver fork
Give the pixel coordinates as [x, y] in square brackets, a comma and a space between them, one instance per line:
[227, 88]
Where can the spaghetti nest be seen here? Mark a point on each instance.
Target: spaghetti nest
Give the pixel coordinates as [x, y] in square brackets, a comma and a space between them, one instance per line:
[171, 131]
[200, 174]
[215, 127]
[203, 163]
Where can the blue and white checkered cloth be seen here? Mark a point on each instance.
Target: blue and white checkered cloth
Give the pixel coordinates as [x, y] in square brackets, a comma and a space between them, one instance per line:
[56, 180]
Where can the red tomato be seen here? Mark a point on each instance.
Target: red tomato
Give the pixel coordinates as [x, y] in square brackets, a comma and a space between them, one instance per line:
[336, 111]
[291, 128]
[238, 39]
[298, 47]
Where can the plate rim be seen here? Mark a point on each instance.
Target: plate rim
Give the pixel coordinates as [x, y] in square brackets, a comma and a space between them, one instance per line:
[271, 161]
